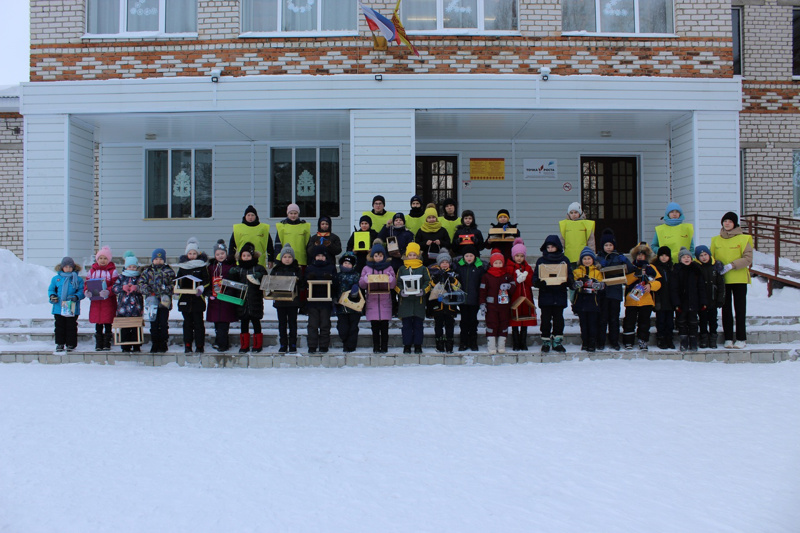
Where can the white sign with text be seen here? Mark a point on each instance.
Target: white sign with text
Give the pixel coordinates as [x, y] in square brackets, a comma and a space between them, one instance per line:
[540, 169]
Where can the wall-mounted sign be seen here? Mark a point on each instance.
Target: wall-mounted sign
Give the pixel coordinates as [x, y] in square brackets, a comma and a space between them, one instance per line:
[567, 186]
[487, 169]
[540, 169]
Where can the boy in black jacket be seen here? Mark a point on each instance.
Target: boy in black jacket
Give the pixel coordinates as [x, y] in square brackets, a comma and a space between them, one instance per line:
[192, 306]
[469, 270]
[665, 323]
[287, 265]
[715, 297]
[319, 313]
[552, 298]
[364, 224]
[688, 291]
[347, 319]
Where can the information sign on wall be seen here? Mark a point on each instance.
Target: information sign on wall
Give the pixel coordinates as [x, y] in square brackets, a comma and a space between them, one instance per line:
[487, 169]
[540, 169]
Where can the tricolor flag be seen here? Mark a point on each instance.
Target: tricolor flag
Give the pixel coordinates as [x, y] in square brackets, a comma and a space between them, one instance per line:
[400, 31]
[378, 22]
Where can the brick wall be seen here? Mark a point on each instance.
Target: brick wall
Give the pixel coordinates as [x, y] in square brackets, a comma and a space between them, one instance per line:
[11, 200]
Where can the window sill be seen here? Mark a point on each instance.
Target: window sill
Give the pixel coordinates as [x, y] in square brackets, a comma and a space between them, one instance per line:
[140, 35]
[174, 219]
[308, 34]
[465, 32]
[626, 35]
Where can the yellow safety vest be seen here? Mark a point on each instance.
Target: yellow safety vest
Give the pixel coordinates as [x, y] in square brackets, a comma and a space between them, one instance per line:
[576, 235]
[258, 236]
[379, 221]
[450, 225]
[675, 237]
[729, 250]
[297, 235]
[414, 223]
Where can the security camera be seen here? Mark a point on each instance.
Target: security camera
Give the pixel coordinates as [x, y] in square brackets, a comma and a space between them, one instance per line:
[545, 72]
[215, 75]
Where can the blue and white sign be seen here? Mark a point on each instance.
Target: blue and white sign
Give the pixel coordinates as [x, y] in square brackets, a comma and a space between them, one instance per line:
[540, 169]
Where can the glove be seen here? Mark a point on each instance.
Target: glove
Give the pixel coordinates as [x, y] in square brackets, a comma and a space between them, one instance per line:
[577, 285]
[87, 294]
[718, 267]
[599, 285]
[521, 276]
[253, 280]
[482, 310]
[127, 288]
[73, 298]
[103, 294]
[505, 286]
[199, 291]
[165, 301]
[53, 299]
[354, 290]
[727, 268]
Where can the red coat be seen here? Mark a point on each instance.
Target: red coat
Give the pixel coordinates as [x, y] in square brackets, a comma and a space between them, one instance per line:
[103, 311]
[524, 289]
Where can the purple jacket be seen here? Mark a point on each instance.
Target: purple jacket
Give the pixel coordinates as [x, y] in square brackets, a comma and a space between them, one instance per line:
[379, 306]
[219, 311]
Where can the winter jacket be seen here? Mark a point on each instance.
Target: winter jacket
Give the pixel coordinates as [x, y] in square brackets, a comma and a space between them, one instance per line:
[715, 284]
[422, 237]
[253, 307]
[643, 272]
[470, 278]
[615, 292]
[157, 281]
[588, 301]
[735, 248]
[490, 288]
[280, 269]
[218, 310]
[379, 306]
[465, 236]
[345, 282]
[67, 287]
[450, 280]
[331, 241]
[521, 290]
[552, 295]
[505, 246]
[129, 303]
[198, 268]
[663, 297]
[688, 287]
[103, 311]
[410, 306]
[403, 236]
[323, 271]
[361, 257]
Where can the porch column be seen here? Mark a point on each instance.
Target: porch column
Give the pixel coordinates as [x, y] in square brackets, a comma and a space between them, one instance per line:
[58, 192]
[383, 148]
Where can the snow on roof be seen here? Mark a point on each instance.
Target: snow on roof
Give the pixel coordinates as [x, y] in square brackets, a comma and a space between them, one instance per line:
[9, 91]
[9, 98]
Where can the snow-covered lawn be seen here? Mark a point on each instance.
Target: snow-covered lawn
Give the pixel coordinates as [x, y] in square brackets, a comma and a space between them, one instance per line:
[607, 446]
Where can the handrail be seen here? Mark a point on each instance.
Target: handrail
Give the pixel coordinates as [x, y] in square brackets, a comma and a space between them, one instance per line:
[780, 231]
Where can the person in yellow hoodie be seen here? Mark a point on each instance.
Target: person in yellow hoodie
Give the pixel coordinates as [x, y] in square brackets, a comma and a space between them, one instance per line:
[639, 302]
[734, 250]
[576, 232]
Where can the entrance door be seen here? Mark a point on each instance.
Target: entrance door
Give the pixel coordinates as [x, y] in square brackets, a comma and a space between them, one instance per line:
[436, 178]
[609, 197]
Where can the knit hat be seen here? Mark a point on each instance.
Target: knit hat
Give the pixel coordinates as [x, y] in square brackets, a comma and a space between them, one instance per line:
[192, 244]
[130, 259]
[324, 218]
[684, 251]
[67, 262]
[574, 206]
[319, 249]
[733, 217]
[105, 251]
[287, 249]
[497, 255]
[468, 213]
[348, 257]
[248, 247]
[664, 250]
[503, 212]
[158, 253]
[292, 207]
[365, 218]
[700, 249]
[377, 248]
[518, 247]
[401, 216]
[250, 209]
[448, 201]
[608, 236]
[220, 245]
[413, 247]
[469, 249]
[588, 251]
[415, 197]
[378, 197]
[444, 255]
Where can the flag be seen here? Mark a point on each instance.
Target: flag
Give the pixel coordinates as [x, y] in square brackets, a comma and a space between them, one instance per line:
[400, 31]
[378, 22]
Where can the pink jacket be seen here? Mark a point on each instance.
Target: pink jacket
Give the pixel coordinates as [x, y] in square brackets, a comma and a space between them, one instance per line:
[379, 306]
[103, 311]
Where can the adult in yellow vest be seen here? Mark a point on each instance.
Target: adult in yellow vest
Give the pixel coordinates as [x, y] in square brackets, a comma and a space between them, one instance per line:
[253, 231]
[380, 216]
[734, 249]
[416, 217]
[576, 232]
[450, 220]
[674, 233]
[292, 230]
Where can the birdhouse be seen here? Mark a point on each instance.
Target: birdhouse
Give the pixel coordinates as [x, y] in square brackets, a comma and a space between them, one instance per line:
[319, 290]
[361, 241]
[128, 330]
[232, 292]
[347, 302]
[553, 274]
[186, 285]
[436, 291]
[393, 247]
[280, 288]
[378, 284]
[502, 235]
[614, 275]
[456, 297]
[94, 286]
[524, 310]
[411, 284]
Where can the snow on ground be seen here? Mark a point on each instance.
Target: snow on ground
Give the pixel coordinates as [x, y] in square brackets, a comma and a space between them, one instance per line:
[605, 446]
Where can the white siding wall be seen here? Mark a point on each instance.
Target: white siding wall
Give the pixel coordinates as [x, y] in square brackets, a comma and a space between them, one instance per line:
[683, 188]
[81, 191]
[382, 159]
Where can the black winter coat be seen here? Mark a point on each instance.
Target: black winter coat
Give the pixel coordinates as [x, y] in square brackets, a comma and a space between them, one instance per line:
[552, 295]
[422, 238]
[663, 296]
[465, 236]
[198, 268]
[345, 281]
[688, 287]
[253, 308]
[715, 285]
[470, 278]
[404, 238]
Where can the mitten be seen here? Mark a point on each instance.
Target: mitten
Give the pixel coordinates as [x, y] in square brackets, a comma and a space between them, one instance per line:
[252, 279]
[482, 310]
[199, 291]
[354, 290]
[53, 299]
[103, 294]
[87, 294]
[505, 286]
[73, 298]
[521, 276]
[727, 268]
[165, 300]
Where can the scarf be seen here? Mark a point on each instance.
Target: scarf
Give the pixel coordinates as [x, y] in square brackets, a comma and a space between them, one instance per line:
[416, 212]
[72, 278]
[411, 264]
[131, 273]
[383, 265]
[496, 272]
[431, 227]
[725, 234]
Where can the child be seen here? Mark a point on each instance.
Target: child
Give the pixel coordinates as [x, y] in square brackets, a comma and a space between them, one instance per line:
[416, 216]
[504, 221]
[519, 268]
[444, 315]
[411, 307]
[129, 301]
[469, 270]
[364, 224]
[590, 291]
[65, 292]
[715, 297]
[576, 232]
[192, 306]
[608, 321]
[431, 237]
[288, 309]
[449, 219]
[249, 270]
[325, 237]
[495, 301]
[319, 313]
[347, 319]
[467, 234]
[295, 232]
[219, 312]
[379, 306]
[156, 280]
[639, 303]
[102, 312]
[397, 230]
[734, 249]
[665, 323]
[552, 298]
[688, 294]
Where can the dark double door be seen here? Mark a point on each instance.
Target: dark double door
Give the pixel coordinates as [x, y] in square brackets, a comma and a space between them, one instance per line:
[609, 196]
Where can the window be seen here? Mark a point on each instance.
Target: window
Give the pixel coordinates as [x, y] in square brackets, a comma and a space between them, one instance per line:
[436, 178]
[178, 184]
[617, 16]
[286, 16]
[137, 17]
[736, 20]
[308, 177]
[796, 183]
[492, 16]
[796, 42]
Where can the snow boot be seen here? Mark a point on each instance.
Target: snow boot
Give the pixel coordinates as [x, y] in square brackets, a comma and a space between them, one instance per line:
[523, 339]
[258, 342]
[407, 348]
[448, 346]
[661, 343]
[244, 342]
[684, 343]
[108, 338]
[60, 348]
[417, 349]
[293, 348]
[669, 344]
[590, 345]
[546, 342]
[491, 343]
[643, 345]
[99, 342]
[515, 339]
[463, 342]
[558, 345]
[703, 340]
[712, 340]
[376, 343]
[501, 344]
[187, 347]
[440, 345]
[283, 349]
[627, 340]
[693, 343]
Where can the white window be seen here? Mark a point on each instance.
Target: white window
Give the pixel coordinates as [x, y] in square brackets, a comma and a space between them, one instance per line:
[178, 184]
[299, 16]
[308, 177]
[459, 16]
[141, 17]
[618, 16]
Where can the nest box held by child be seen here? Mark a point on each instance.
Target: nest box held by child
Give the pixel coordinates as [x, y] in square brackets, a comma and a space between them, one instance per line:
[524, 310]
[357, 305]
[614, 275]
[502, 234]
[553, 274]
[186, 285]
[232, 292]
[319, 290]
[411, 284]
[281, 288]
[378, 284]
[129, 327]
[361, 241]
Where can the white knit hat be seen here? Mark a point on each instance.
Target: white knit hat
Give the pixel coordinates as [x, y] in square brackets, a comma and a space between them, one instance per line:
[192, 244]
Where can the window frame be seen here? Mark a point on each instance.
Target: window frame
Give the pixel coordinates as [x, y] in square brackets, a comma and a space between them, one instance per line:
[738, 37]
[123, 23]
[795, 184]
[636, 24]
[295, 33]
[795, 44]
[169, 149]
[271, 200]
[441, 30]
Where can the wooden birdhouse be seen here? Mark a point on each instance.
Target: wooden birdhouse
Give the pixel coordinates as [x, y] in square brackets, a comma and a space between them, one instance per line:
[553, 274]
[280, 288]
[128, 327]
[393, 247]
[232, 292]
[411, 284]
[186, 285]
[454, 297]
[614, 275]
[319, 290]
[361, 241]
[378, 284]
[357, 305]
[502, 235]
[524, 310]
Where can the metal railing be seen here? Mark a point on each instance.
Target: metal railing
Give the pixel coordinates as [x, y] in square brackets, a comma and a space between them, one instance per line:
[781, 235]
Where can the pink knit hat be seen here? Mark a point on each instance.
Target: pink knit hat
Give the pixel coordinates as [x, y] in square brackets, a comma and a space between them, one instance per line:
[292, 207]
[105, 251]
[518, 247]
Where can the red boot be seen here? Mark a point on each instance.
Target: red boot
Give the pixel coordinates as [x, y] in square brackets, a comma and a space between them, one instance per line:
[258, 342]
[244, 342]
